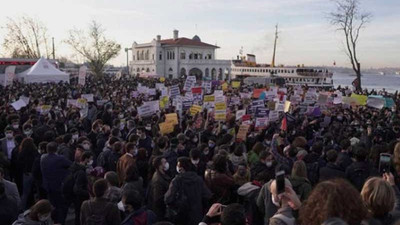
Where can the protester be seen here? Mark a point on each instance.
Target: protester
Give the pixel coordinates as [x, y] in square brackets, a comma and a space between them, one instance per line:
[10, 188]
[38, 214]
[8, 207]
[135, 213]
[100, 210]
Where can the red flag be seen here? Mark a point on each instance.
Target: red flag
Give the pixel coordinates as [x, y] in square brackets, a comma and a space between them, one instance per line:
[284, 124]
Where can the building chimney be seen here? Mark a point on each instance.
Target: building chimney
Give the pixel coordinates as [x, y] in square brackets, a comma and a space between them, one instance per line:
[158, 37]
[176, 32]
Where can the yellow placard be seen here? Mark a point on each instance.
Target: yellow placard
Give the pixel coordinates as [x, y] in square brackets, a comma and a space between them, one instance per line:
[242, 133]
[361, 99]
[224, 86]
[166, 128]
[220, 116]
[195, 109]
[220, 106]
[162, 79]
[164, 101]
[236, 84]
[287, 106]
[172, 118]
[209, 98]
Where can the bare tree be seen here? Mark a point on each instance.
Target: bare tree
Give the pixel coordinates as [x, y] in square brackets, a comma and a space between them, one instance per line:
[26, 37]
[349, 19]
[94, 47]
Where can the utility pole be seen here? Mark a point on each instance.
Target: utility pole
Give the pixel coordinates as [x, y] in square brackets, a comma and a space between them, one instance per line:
[127, 58]
[54, 54]
[276, 38]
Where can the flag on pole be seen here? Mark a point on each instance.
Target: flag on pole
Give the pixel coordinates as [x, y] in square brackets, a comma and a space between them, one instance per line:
[284, 123]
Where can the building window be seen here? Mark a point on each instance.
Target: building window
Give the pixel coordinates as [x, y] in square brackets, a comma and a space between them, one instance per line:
[152, 56]
[200, 56]
[209, 56]
[191, 56]
[196, 56]
[160, 56]
[173, 55]
[147, 55]
[142, 55]
[137, 56]
[183, 54]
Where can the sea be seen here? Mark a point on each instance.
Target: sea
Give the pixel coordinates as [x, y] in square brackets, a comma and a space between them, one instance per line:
[389, 82]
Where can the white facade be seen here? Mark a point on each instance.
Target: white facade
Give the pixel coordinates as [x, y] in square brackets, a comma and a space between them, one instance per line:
[176, 57]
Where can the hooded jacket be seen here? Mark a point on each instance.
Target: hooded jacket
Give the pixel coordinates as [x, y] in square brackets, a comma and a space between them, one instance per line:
[264, 202]
[23, 219]
[301, 186]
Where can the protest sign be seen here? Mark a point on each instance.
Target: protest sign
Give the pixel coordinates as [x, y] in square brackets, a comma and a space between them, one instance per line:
[236, 84]
[245, 95]
[240, 114]
[377, 103]
[242, 133]
[195, 109]
[9, 76]
[224, 86]
[44, 109]
[257, 92]
[88, 97]
[189, 83]
[257, 103]
[154, 104]
[159, 86]
[151, 91]
[261, 123]
[280, 107]
[220, 106]
[186, 104]
[207, 86]
[209, 98]
[81, 103]
[172, 117]
[25, 99]
[361, 99]
[164, 102]
[164, 91]
[218, 93]
[287, 106]
[220, 116]
[196, 90]
[18, 104]
[273, 115]
[166, 128]
[145, 110]
[261, 112]
[174, 91]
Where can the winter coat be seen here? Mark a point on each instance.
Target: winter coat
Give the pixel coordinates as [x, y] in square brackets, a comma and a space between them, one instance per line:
[284, 216]
[331, 171]
[252, 158]
[221, 185]
[301, 186]
[134, 185]
[78, 172]
[358, 172]
[196, 192]
[8, 210]
[100, 206]
[54, 170]
[23, 219]
[142, 216]
[157, 189]
[260, 168]
[264, 202]
[249, 191]
[66, 151]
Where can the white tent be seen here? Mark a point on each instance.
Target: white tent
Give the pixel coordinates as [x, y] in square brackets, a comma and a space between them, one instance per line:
[43, 72]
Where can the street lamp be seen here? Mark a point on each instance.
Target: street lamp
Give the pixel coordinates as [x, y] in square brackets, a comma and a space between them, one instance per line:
[127, 58]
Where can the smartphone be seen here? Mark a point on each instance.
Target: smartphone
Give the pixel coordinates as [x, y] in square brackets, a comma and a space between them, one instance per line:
[280, 181]
[384, 163]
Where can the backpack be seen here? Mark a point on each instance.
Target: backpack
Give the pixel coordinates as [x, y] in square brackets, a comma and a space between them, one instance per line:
[94, 219]
[313, 172]
[178, 208]
[359, 176]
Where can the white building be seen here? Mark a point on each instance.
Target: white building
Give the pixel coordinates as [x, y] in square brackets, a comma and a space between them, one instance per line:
[176, 57]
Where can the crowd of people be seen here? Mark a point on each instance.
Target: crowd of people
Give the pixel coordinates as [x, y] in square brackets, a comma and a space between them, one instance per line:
[108, 164]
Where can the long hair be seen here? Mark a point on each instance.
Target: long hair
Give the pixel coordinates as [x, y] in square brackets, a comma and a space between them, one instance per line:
[333, 198]
[378, 196]
[27, 145]
[396, 157]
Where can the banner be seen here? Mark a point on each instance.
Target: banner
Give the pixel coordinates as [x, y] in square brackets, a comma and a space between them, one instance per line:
[18, 104]
[145, 110]
[261, 123]
[174, 91]
[361, 99]
[257, 92]
[82, 75]
[209, 98]
[240, 114]
[236, 84]
[196, 90]
[9, 76]
[88, 97]
[195, 109]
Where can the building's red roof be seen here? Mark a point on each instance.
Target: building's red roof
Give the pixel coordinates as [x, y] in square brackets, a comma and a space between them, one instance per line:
[186, 42]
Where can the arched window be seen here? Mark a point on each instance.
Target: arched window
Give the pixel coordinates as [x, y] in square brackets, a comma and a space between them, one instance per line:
[147, 70]
[137, 55]
[142, 55]
[183, 54]
[191, 55]
[147, 55]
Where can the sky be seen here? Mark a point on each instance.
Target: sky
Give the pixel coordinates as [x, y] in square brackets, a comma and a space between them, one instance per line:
[305, 34]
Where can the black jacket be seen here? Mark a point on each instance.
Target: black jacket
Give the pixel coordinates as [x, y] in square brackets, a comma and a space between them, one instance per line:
[157, 189]
[358, 172]
[196, 192]
[260, 168]
[80, 181]
[331, 171]
[8, 210]
[344, 160]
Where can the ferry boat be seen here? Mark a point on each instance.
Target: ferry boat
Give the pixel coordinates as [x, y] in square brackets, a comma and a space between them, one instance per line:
[244, 67]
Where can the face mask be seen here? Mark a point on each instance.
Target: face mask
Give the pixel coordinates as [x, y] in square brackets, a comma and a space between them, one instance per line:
[135, 152]
[268, 163]
[9, 135]
[224, 127]
[121, 126]
[148, 128]
[195, 162]
[275, 201]
[121, 116]
[206, 152]
[121, 206]
[110, 110]
[166, 167]
[178, 169]
[44, 218]
[211, 145]
[267, 143]
[195, 140]
[75, 136]
[15, 126]
[86, 146]
[28, 133]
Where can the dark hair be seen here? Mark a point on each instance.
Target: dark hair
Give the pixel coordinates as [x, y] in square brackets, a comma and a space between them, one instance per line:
[42, 145]
[113, 140]
[28, 145]
[220, 163]
[258, 148]
[157, 162]
[51, 147]
[112, 178]
[264, 154]
[195, 153]
[129, 146]
[85, 155]
[1, 171]
[117, 146]
[185, 163]
[100, 187]
[2, 189]
[360, 153]
[115, 132]
[331, 156]
[318, 147]
[233, 214]
[333, 198]
[133, 198]
[41, 207]
[345, 144]
[132, 174]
